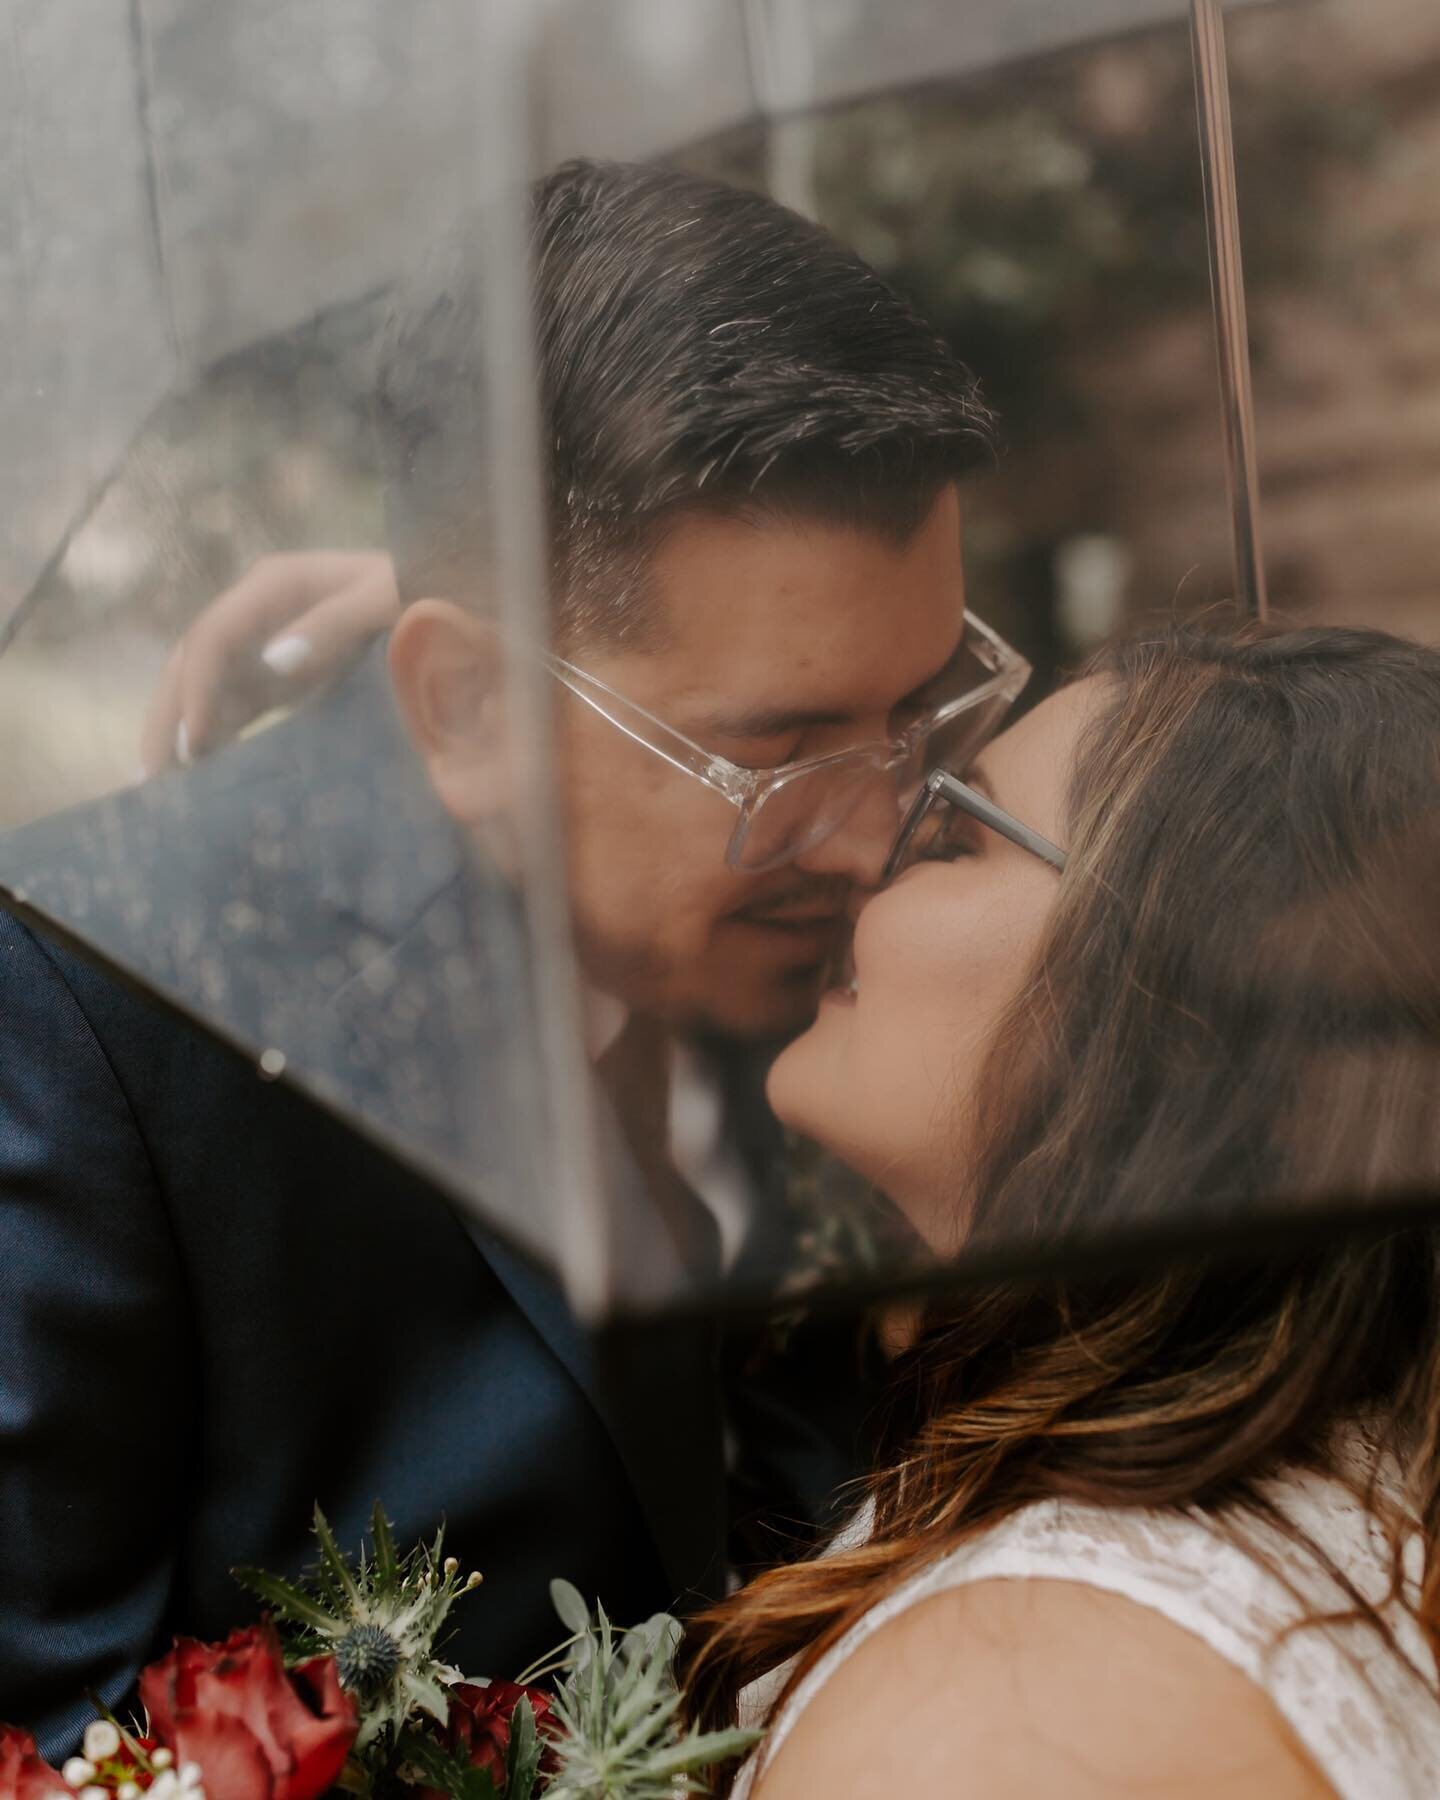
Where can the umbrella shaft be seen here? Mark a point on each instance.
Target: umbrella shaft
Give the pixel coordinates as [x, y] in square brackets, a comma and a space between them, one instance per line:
[1222, 218]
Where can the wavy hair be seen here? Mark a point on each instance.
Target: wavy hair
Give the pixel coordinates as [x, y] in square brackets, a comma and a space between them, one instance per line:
[1235, 1011]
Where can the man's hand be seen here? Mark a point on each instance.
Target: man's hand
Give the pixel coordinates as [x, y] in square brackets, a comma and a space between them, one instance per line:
[287, 625]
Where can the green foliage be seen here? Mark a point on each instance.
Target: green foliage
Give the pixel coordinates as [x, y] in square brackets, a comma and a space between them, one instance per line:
[618, 1733]
[522, 1768]
[399, 1603]
[618, 1711]
[424, 1762]
[1036, 206]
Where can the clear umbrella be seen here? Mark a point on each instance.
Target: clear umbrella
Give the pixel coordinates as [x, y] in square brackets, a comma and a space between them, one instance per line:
[394, 911]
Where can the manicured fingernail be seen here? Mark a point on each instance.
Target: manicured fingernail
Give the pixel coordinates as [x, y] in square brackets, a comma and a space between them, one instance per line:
[182, 744]
[286, 656]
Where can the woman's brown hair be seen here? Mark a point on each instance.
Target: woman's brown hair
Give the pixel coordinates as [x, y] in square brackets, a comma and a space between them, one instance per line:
[1236, 1008]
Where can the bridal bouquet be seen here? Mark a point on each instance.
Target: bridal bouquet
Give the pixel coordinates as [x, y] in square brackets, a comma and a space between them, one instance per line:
[340, 1691]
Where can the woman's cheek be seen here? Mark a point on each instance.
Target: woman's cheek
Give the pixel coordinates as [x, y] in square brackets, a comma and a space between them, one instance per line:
[944, 955]
[883, 1082]
[916, 944]
[909, 1025]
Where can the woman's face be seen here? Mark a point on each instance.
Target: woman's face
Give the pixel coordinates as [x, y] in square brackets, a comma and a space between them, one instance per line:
[882, 1076]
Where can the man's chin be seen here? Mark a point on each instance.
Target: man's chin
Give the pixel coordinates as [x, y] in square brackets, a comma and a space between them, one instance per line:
[764, 1002]
[780, 1008]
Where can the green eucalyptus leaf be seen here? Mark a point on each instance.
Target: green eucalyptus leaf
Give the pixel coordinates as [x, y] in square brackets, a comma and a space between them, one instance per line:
[660, 1634]
[569, 1603]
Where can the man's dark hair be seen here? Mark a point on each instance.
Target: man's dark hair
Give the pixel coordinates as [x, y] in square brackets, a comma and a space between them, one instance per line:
[701, 348]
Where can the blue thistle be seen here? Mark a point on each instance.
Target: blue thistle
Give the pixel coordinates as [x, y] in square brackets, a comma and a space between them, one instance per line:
[366, 1658]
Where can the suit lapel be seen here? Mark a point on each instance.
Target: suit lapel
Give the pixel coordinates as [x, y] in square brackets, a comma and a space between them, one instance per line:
[656, 1390]
[466, 1085]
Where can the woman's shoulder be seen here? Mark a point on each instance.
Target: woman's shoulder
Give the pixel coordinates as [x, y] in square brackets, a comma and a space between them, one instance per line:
[1068, 1625]
[1012, 1689]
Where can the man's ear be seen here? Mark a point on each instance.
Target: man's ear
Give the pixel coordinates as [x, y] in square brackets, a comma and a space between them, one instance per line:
[448, 670]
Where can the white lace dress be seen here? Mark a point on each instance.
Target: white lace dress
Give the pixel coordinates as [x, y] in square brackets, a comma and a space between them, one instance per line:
[1369, 1718]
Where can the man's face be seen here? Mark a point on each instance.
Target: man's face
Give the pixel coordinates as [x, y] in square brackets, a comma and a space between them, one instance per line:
[783, 639]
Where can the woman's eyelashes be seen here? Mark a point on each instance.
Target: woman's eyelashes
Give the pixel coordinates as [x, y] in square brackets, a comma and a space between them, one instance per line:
[954, 836]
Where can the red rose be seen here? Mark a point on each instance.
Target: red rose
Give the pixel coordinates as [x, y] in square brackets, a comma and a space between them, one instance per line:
[24, 1773]
[257, 1732]
[478, 1728]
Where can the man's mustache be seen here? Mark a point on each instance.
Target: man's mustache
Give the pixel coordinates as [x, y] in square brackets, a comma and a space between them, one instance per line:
[815, 897]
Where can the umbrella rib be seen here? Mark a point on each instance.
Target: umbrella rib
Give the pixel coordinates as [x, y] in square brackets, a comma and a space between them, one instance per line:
[153, 180]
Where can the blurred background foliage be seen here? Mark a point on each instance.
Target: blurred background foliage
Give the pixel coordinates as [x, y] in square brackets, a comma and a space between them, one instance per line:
[1042, 216]
[1049, 218]
[1032, 210]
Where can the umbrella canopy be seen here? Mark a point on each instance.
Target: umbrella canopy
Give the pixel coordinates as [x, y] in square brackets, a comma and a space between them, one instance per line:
[217, 177]
[422, 923]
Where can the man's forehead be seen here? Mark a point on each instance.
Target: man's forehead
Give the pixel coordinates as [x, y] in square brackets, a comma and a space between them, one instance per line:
[784, 617]
[763, 703]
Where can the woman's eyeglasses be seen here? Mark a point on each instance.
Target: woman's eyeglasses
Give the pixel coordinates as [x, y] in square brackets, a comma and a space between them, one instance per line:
[925, 832]
[788, 811]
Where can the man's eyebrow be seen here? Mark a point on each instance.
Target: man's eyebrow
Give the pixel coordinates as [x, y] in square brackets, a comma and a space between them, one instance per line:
[763, 722]
[780, 721]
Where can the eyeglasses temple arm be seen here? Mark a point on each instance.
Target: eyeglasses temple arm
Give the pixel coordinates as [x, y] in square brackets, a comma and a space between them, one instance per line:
[960, 793]
[690, 759]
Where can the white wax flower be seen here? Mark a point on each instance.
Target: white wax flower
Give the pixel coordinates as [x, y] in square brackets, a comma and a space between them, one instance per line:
[102, 1741]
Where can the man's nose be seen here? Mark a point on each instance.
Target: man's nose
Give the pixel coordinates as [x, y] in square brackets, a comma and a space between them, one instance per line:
[858, 849]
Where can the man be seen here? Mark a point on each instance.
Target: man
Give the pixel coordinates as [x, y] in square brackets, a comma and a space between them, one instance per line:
[219, 1306]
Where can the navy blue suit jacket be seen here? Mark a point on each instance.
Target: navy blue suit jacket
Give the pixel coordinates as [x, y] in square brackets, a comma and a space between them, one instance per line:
[219, 1306]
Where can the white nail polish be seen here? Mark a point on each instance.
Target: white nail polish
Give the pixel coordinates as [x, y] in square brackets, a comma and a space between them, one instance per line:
[287, 655]
[182, 744]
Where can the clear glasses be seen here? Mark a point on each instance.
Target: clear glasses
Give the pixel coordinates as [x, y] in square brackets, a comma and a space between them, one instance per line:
[788, 811]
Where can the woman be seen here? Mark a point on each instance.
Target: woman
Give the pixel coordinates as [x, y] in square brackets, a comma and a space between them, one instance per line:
[1169, 1530]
